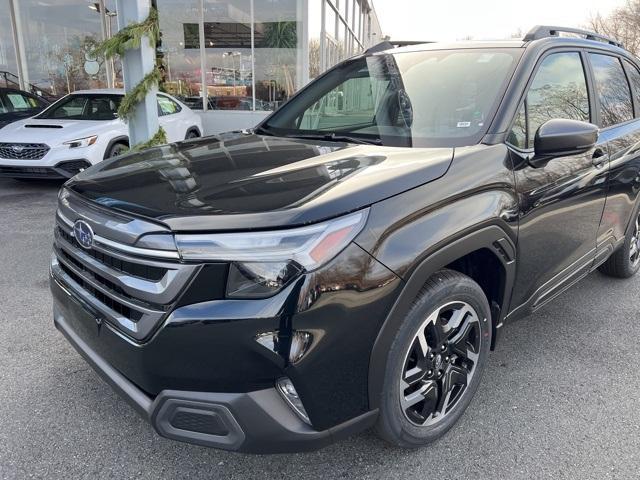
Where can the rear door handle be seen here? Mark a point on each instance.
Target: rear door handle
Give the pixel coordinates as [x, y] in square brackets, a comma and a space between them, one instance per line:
[599, 158]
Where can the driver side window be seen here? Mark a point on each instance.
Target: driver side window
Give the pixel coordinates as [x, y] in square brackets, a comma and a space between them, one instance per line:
[351, 104]
[558, 90]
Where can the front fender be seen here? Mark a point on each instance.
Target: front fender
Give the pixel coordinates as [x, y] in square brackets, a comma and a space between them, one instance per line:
[492, 238]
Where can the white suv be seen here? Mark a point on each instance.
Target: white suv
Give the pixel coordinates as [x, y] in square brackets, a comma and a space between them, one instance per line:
[81, 130]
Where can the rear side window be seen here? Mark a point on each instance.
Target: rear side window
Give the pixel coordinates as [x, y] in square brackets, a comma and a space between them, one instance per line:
[634, 78]
[558, 90]
[166, 106]
[612, 89]
[21, 102]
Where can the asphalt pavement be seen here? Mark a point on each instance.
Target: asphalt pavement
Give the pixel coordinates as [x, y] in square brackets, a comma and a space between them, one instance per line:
[558, 400]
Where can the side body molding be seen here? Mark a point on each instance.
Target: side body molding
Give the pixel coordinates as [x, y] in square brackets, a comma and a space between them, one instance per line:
[491, 237]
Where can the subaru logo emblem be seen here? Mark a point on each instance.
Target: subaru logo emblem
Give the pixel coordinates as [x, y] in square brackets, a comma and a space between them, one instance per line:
[83, 234]
[17, 148]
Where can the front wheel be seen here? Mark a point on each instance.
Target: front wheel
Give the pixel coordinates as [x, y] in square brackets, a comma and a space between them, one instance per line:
[116, 149]
[436, 361]
[192, 134]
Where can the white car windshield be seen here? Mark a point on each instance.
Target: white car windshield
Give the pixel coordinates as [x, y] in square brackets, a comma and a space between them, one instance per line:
[84, 107]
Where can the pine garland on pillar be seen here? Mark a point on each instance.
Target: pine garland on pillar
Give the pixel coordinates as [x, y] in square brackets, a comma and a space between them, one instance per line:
[128, 38]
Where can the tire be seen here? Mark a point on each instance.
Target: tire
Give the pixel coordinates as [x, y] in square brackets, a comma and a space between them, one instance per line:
[192, 134]
[116, 149]
[447, 297]
[625, 262]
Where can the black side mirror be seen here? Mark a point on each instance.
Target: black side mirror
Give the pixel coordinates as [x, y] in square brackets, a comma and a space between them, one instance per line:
[561, 137]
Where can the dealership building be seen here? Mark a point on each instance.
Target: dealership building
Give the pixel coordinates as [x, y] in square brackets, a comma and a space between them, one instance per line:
[245, 56]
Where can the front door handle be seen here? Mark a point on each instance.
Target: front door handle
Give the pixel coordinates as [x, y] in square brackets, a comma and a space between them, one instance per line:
[599, 158]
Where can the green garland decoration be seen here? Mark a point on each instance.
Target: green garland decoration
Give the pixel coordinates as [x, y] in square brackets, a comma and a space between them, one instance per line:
[159, 138]
[138, 93]
[128, 38]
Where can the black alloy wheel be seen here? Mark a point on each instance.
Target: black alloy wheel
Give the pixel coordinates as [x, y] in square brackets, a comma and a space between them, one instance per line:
[436, 360]
[440, 363]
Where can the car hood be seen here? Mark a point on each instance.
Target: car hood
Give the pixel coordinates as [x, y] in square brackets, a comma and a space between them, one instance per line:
[52, 132]
[240, 181]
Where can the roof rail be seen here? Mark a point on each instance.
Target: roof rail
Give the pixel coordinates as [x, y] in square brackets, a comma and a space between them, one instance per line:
[389, 44]
[544, 31]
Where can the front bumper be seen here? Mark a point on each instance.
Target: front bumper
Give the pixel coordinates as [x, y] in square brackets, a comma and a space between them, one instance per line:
[202, 376]
[252, 422]
[61, 171]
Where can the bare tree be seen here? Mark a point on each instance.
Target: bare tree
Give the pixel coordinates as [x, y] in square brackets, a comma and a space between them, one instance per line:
[623, 24]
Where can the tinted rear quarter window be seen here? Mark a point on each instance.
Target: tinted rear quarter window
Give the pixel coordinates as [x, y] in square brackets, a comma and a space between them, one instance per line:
[634, 77]
[612, 89]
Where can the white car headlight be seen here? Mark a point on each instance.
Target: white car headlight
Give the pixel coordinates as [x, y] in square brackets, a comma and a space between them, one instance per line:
[264, 262]
[82, 142]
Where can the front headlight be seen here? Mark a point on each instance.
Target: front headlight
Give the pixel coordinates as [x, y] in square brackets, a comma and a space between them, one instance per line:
[82, 142]
[265, 262]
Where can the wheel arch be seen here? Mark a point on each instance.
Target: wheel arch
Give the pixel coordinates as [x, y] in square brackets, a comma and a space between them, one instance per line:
[193, 128]
[489, 245]
[113, 141]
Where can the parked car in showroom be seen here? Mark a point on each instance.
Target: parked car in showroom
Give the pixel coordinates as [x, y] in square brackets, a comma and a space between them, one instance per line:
[80, 130]
[351, 262]
[16, 104]
[227, 103]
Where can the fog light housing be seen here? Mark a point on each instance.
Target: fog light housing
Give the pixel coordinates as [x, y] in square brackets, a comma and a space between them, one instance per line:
[288, 392]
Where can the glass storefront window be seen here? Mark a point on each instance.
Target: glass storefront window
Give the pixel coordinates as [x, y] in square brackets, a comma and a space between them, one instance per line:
[277, 31]
[227, 35]
[58, 37]
[180, 48]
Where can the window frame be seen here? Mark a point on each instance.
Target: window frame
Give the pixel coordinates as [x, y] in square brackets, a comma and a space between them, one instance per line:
[588, 77]
[598, 120]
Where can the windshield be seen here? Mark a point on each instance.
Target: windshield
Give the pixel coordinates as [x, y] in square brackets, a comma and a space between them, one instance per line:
[428, 98]
[84, 107]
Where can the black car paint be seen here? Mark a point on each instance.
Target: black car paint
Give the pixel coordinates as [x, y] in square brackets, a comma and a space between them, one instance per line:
[538, 229]
[245, 181]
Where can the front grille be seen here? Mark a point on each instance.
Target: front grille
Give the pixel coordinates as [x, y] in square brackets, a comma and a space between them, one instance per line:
[102, 298]
[23, 151]
[138, 270]
[131, 291]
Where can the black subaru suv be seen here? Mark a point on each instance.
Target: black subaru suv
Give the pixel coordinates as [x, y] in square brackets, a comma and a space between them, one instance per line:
[350, 262]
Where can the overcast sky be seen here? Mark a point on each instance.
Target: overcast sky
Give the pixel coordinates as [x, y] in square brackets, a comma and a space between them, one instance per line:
[481, 19]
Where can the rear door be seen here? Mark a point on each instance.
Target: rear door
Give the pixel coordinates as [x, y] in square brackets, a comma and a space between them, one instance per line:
[169, 118]
[561, 203]
[617, 85]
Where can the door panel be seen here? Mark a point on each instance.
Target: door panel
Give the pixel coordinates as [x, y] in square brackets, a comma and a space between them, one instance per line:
[561, 203]
[169, 118]
[623, 183]
[624, 179]
[561, 206]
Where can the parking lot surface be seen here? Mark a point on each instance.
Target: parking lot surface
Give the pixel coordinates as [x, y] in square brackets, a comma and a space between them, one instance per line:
[560, 398]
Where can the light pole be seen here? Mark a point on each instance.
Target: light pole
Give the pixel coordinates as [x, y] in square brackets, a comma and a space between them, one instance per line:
[105, 20]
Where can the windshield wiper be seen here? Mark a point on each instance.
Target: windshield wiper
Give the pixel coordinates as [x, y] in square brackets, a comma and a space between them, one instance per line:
[263, 131]
[337, 138]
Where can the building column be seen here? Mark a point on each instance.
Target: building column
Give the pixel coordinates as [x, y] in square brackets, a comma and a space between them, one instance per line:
[18, 45]
[136, 63]
[302, 77]
[203, 60]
